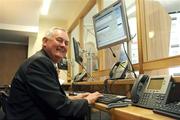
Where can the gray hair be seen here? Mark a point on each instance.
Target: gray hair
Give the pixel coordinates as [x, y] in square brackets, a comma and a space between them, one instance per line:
[50, 32]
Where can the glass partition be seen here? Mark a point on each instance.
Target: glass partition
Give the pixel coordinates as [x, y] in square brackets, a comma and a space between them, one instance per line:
[91, 55]
[161, 25]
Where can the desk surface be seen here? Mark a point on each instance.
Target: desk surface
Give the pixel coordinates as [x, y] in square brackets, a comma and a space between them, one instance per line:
[132, 113]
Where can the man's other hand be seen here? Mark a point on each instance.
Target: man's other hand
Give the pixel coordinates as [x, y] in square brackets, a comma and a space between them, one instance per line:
[92, 97]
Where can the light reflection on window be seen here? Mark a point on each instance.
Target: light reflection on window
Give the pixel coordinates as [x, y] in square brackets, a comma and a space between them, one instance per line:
[174, 71]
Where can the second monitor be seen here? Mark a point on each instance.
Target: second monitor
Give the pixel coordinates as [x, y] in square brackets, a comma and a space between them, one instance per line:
[77, 52]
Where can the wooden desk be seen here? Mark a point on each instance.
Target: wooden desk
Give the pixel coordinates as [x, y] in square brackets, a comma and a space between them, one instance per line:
[131, 113]
[126, 82]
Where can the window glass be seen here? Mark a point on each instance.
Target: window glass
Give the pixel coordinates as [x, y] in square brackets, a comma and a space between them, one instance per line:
[174, 47]
[133, 43]
[174, 71]
[161, 25]
[106, 3]
[90, 56]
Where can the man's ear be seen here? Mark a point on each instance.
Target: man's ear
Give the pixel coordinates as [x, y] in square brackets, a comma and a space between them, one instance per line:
[44, 41]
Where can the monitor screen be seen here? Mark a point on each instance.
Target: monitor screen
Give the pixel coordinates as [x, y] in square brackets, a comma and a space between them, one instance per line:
[77, 52]
[111, 25]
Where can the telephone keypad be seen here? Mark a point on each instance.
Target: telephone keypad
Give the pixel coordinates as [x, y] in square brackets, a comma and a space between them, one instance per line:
[152, 100]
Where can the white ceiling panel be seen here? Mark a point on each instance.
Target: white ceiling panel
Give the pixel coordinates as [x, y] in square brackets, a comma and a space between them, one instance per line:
[20, 12]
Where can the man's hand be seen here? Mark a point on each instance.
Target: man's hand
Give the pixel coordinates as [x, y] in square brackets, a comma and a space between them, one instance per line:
[92, 97]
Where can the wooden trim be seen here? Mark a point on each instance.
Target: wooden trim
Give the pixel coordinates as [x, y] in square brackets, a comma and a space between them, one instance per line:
[162, 63]
[117, 82]
[101, 82]
[143, 33]
[69, 74]
[100, 4]
[136, 66]
[139, 33]
[177, 79]
[81, 33]
[84, 11]
[101, 53]
[101, 56]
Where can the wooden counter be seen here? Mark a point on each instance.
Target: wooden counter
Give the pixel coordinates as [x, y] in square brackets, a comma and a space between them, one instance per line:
[131, 113]
[98, 82]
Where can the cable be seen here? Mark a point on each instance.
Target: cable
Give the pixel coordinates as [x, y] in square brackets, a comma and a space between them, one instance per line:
[110, 87]
[88, 74]
[106, 90]
[112, 52]
[129, 62]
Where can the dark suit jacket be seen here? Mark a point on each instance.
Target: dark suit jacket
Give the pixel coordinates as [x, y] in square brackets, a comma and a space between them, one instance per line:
[36, 94]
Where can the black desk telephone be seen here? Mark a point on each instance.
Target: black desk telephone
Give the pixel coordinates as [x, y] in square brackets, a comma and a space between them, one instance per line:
[118, 70]
[152, 92]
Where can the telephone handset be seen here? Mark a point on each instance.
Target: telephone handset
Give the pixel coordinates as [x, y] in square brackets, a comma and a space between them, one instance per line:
[118, 70]
[151, 91]
[80, 76]
[138, 87]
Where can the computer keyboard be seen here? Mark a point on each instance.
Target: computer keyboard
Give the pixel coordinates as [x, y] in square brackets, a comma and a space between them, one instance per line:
[110, 98]
[171, 109]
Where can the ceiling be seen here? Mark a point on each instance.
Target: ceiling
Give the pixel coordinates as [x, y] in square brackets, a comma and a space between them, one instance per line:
[65, 9]
[19, 18]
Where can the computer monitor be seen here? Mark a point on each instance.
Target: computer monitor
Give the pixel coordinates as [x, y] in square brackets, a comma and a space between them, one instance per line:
[77, 52]
[111, 25]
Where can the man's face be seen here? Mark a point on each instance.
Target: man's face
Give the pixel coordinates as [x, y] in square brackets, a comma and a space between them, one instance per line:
[56, 46]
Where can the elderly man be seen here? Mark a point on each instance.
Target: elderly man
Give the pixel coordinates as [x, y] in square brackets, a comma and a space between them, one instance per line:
[35, 92]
